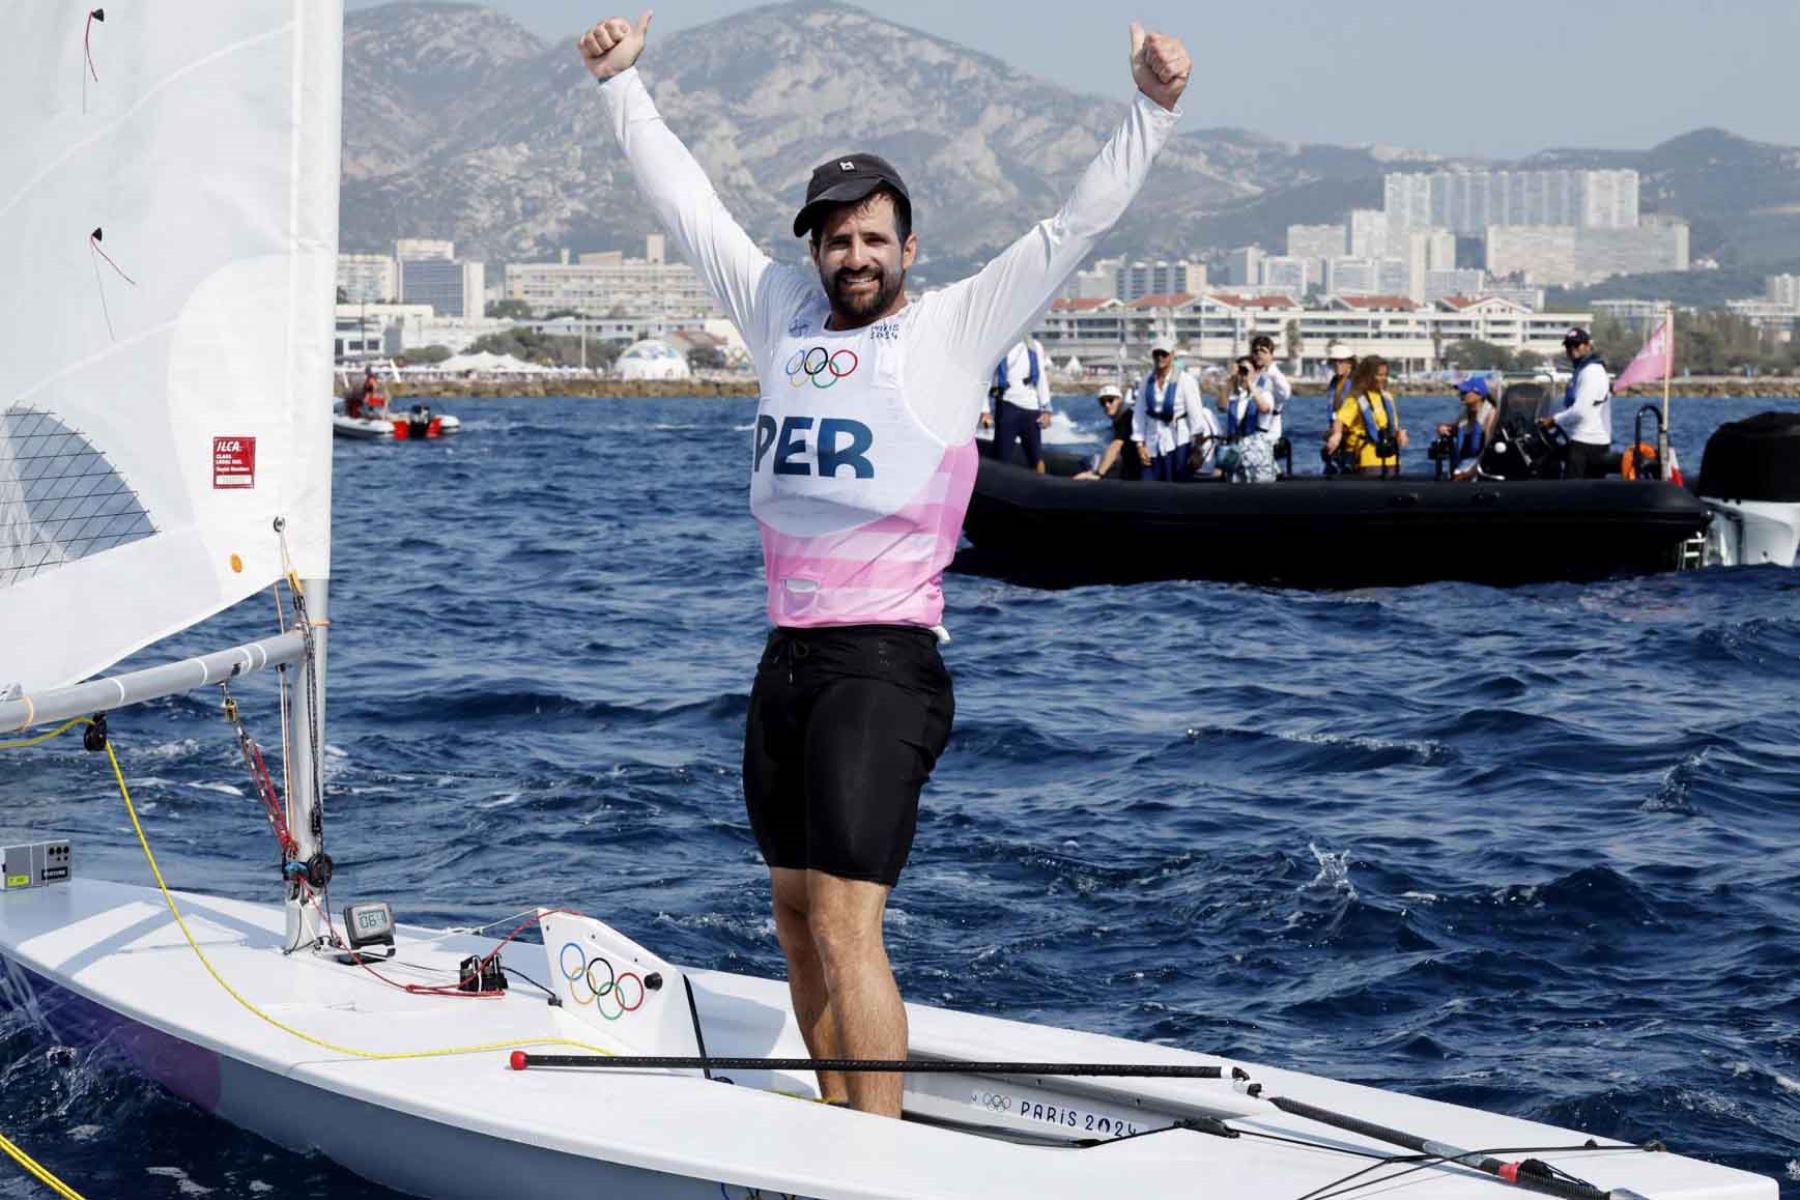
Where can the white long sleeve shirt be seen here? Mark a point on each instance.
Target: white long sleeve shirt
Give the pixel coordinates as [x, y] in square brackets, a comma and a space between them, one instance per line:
[1163, 436]
[1272, 385]
[863, 457]
[1019, 390]
[1589, 418]
[1203, 423]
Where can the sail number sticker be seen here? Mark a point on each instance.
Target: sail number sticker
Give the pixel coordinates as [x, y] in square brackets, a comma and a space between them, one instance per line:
[234, 462]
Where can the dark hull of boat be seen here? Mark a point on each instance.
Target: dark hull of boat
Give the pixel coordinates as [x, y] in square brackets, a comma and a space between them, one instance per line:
[1318, 532]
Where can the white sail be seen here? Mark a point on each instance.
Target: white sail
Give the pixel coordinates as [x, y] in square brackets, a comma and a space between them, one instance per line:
[164, 390]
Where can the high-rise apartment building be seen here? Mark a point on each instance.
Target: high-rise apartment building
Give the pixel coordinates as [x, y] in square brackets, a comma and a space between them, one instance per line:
[599, 285]
[451, 288]
[1368, 233]
[1316, 241]
[1292, 275]
[368, 278]
[1243, 266]
[1470, 202]
[1135, 280]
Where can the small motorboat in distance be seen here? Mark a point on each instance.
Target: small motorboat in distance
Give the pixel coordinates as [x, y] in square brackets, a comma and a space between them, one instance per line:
[364, 414]
[417, 424]
[1514, 524]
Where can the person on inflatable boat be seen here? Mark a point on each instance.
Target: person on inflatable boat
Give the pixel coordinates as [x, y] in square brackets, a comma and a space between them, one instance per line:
[1366, 429]
[1470, 433]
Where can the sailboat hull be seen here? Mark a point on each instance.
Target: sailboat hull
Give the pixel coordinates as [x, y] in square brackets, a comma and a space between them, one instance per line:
[101, 964]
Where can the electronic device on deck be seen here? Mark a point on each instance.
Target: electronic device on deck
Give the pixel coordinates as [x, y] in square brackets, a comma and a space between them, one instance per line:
[35, 864]
[369, 924]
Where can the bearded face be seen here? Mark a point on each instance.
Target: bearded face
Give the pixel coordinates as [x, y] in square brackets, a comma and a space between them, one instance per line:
[863, 261]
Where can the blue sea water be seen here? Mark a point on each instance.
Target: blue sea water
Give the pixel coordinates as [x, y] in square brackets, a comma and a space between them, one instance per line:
[1535, 850]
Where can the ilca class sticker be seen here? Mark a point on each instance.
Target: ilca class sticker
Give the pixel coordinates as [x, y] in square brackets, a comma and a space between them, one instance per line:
[1063, 1116]
[234, 462]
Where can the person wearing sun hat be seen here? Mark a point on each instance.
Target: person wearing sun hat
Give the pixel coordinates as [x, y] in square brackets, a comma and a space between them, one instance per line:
[1165, 397]
[1120, 459]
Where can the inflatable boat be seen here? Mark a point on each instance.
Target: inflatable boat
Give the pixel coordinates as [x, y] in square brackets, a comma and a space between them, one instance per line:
[381, 424]
[1515, 524]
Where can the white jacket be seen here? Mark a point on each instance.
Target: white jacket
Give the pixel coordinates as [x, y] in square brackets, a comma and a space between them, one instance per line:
[1163, 436]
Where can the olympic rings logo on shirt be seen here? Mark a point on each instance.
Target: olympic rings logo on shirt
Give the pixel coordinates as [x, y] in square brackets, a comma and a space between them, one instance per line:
[822, 367]
[580, 977]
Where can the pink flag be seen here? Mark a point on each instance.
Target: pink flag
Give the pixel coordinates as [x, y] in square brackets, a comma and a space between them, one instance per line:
[1655, 361]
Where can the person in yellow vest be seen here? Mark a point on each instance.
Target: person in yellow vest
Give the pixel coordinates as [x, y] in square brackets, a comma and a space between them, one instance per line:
[1365, 431]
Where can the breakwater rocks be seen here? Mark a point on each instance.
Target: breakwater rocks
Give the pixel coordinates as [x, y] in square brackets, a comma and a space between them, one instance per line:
[745, 386]
[476, 387]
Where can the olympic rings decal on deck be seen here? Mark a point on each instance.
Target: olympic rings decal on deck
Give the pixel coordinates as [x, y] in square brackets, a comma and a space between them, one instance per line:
[821, 367]
[579, 975]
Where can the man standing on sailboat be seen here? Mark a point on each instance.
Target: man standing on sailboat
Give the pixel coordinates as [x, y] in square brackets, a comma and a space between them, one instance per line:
[862, 466]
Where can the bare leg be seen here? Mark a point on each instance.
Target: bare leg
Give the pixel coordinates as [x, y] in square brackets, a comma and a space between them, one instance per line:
[845, 918]
[806, 978]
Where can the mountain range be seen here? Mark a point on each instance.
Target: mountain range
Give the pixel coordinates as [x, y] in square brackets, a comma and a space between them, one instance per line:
[459, 123]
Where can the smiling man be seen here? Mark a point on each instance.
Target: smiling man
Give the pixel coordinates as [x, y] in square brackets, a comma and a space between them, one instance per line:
[861, 469]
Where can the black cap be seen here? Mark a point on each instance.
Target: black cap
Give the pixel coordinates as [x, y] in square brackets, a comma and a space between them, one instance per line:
[845, 181]
[1576, 336]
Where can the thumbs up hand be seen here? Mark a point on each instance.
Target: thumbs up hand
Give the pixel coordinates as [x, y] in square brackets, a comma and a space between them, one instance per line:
[614, 44]
[1159, 65]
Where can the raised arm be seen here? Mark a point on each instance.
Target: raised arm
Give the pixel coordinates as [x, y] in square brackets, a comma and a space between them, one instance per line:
[736, 271]
[996, 306]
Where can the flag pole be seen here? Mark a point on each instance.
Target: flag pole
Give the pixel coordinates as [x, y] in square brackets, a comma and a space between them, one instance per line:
[1662, 437]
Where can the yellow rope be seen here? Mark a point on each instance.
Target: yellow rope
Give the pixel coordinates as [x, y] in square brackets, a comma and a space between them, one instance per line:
[181, 922]
[41, 738]
[38, 1171]
[175, 911]
[41, 1173]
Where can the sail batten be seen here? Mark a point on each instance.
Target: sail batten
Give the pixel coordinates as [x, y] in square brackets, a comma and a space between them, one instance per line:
[155, 423]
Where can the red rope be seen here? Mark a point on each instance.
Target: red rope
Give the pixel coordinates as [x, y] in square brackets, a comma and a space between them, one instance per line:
[265, 787]
[87, 41]
[94, 245]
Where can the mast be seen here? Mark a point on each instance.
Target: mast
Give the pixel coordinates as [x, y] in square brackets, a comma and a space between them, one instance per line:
[306, 788]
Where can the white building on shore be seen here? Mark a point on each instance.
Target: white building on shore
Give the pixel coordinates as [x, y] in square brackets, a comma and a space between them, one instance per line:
[607, 283]
[368, 278]
[1217, 327]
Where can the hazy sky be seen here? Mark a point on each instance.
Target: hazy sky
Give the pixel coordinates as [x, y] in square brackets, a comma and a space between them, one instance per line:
[1498, 77]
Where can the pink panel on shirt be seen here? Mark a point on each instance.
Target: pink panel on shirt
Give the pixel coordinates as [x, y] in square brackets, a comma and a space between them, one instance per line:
[886, 571]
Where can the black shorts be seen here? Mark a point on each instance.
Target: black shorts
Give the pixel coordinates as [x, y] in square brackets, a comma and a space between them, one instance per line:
[845, 725]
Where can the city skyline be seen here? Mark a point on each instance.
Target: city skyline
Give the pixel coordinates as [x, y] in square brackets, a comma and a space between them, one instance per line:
[1420, 62]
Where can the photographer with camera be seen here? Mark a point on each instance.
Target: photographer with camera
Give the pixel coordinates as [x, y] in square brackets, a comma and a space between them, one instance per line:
[1365, 436]
[1252, 422]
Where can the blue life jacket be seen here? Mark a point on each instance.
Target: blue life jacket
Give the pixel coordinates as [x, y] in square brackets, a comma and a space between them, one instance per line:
[1370, 430]
[1469, 446]
[1249, 423]
[1166, 413]
[1336, 392]
[1575, 377]
[1031, 375]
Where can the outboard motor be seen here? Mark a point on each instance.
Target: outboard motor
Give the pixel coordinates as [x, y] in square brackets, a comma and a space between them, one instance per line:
[1750, 482]
[1520, 447]
[419, 421]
